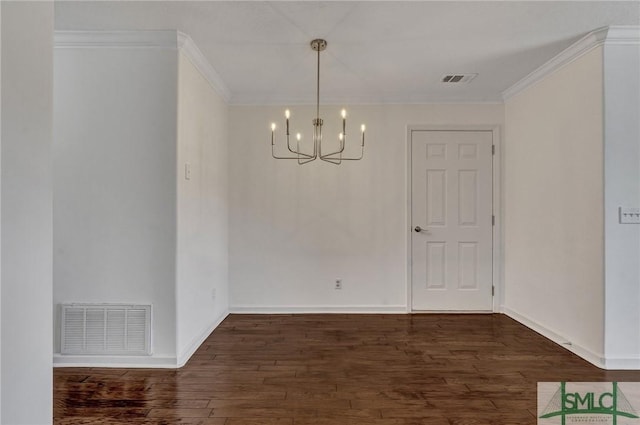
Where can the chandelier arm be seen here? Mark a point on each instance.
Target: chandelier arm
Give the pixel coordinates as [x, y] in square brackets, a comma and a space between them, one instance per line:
[304, 160]
[282, 157]
[342, 158]
[347, 159]
[342, 145]
[329, 155]
[330, 161]
[302, 154]
[298, 152]
[330, 158]
[297, 157]
[273, 154]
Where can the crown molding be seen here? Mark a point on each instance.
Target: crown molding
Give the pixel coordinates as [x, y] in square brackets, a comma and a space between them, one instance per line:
[623, 35]
[164, 39]
[614, 35]
[197, 58]
[161, 39]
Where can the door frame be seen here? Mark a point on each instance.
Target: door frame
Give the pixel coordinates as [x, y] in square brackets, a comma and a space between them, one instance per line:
[497, 231]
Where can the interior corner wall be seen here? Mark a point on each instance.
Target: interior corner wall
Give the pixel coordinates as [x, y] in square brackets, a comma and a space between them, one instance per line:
[114, 169]
[554, 267]
[27, 90]
[202, 287]
[622, 189]
[295, 229]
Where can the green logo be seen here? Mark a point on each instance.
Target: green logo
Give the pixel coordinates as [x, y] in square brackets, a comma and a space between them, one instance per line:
[565, 403]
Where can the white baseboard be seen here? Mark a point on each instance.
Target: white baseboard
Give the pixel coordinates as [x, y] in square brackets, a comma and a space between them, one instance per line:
[289, 309]
[596, 359]
[168, 362]
[623, 364]
[151, 362]
[186, 354]
[141, 362]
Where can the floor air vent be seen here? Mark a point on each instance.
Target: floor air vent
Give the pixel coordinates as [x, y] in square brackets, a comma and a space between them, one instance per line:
[107, 329]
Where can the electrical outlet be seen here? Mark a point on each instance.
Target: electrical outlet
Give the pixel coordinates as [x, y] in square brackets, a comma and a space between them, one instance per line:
[213, 294]
[338, 284]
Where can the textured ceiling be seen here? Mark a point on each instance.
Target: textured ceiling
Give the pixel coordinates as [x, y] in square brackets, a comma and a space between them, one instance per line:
[378, 52]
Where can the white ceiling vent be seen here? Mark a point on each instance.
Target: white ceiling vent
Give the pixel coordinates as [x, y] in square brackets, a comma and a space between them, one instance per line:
[106, 329]
[458, 78]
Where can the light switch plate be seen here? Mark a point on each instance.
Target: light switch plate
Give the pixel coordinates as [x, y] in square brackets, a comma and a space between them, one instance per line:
[629, 215]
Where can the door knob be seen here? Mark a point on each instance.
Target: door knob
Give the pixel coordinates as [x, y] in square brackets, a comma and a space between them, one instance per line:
[418, 229]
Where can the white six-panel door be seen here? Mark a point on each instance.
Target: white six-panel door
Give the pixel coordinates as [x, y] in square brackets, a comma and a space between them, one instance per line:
[451, 213]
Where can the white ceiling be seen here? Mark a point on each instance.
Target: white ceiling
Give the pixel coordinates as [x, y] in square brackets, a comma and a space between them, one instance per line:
[378, 52]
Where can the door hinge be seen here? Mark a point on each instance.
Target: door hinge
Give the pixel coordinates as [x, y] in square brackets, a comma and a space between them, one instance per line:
[493, 291]
[493, 220]
[493, 149]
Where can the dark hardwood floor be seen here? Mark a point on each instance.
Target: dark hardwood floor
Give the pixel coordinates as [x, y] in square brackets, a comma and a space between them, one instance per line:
[335, 370]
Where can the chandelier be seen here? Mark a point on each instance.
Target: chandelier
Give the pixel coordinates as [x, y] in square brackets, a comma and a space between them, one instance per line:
[295, 153]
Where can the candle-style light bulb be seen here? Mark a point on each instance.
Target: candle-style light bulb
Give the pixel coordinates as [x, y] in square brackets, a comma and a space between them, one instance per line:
[344, 122]
[298, 136]
[362, 128]
[286, 115]
[341, 136]
[273, 126]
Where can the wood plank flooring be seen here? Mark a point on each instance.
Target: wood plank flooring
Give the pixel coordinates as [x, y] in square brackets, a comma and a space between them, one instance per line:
[336, 370]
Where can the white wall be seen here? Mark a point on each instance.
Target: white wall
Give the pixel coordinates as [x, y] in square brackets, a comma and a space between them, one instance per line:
[0, 212]
[622, 188]
[26, 378]
[295, 229]
[202, 226]
[114, 168]
[554, 205]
